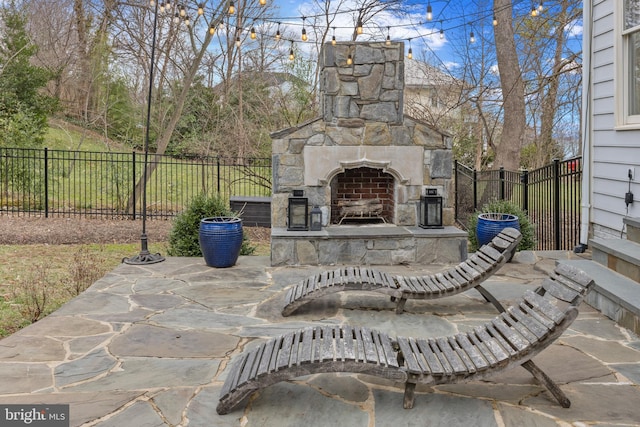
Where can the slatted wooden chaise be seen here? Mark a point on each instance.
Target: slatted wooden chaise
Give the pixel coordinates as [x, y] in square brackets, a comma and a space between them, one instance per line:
[462, 277]
[509, 340]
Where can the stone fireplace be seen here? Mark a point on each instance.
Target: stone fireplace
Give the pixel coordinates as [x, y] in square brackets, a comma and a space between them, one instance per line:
[365, 165]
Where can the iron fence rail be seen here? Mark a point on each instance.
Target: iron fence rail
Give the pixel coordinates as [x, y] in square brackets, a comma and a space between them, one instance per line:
[549, 195]
[64, 183]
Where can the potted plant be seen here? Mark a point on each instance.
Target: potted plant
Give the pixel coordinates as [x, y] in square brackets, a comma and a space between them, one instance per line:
[494, 217]
[185, 237]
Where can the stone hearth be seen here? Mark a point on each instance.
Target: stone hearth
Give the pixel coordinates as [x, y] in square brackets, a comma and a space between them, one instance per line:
[365, 143]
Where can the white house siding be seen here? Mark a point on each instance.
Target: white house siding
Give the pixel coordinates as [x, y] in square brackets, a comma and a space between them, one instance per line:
[613, 152]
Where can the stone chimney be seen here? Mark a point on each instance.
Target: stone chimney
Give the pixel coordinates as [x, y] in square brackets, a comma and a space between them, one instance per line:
[371, 88]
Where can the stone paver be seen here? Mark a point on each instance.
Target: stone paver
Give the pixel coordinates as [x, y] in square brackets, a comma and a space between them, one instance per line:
[149, 345]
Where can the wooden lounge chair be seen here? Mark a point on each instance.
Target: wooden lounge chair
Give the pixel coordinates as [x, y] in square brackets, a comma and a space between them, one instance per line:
[464, 276]
[511, 339]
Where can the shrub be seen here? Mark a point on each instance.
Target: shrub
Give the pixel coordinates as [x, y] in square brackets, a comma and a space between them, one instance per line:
[528, 241]
[184, 235]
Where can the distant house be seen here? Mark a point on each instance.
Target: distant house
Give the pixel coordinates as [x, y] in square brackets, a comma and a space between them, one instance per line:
[610, 116]
[430, 93]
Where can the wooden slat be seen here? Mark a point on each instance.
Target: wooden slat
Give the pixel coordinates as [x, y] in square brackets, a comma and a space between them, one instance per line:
[470, 367]
[475, 354]
[501, 350]
[248, 365]
[263, 366]
[543, 306]
[491, 253]
[510, 334]
[538, 329]
[485, 348]
[407, 348]
[285, 352]
[457, 364]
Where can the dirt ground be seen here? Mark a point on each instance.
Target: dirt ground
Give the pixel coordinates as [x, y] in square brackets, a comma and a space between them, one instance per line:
[61, 231]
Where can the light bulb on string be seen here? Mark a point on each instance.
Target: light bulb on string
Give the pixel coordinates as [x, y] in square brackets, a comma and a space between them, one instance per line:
[201, 9]
[304, 31]
[388, 41]
[495, 20]
[441, 31]
[161, 7]
[238, 41]
[232, 8]
[349, 59]
[152, 3]
[183, 11]
[212, 29]
[187, 22]
[291, 55]
[278, 35]
[540, 7]
[176, 18]
[167, 5]
[534, 11]
[333, 37]
[253, 33]
[263, 2]
[359, 29]
[429, 12]
[472, 37]
[410, 53]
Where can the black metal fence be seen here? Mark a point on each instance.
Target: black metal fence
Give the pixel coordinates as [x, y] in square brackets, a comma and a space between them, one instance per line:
[64, 183]
[550, 195]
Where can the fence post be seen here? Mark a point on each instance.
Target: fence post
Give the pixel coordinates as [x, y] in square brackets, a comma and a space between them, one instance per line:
[475, 190]
[133, 182]
[455, 190]
[218, 165]
[556, 202]
[46, 182]
[502, 183]
[524, 179]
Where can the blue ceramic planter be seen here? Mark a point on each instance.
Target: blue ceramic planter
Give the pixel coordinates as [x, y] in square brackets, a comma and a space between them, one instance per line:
[220, 240]
[491, 224]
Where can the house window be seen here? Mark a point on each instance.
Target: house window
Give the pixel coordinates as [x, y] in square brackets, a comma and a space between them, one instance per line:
[631, 61]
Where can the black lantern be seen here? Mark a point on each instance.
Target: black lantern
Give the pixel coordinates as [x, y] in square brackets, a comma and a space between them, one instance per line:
[430, 209]
[298, 212]
[316, 219]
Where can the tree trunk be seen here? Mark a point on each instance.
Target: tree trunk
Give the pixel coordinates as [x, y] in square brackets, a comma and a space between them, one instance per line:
[508, 151]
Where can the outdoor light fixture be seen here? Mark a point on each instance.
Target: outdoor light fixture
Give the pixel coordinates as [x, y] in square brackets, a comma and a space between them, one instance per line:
[349, 59]
[145, 257]
[298, 212]
[232, 8]
[316, 219]
[359, 29]
[430, 209]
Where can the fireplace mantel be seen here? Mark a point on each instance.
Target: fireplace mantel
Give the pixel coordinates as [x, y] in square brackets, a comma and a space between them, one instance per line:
[322, 163]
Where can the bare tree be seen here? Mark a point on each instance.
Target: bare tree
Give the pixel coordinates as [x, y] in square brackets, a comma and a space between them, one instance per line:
[512, 86]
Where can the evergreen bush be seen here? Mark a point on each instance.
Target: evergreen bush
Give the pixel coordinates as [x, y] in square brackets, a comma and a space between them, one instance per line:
[527, 230]
[184, 235]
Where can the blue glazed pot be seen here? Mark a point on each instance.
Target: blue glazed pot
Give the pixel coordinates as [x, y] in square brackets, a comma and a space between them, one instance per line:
[491, 224]
[220, 240]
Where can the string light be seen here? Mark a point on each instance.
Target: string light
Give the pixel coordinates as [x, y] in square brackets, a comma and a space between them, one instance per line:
[472, 37]
[388, 41]
[278, 36]
[183, 11]
[534, 11]
[359, 28]
[253, 33]
[540, 7]
[291, 55]
[263, 2]
[495, 20]
[212, 29]
[201, 9]
[167, 5]
[429, 12]
[441, 31]
[187, 22]
[162, 8]
[349, 59]
[232, 8]
[410, 53]
[333, 37]
[238, 41]
[152, 3]
[304, 31]
[176, 18]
